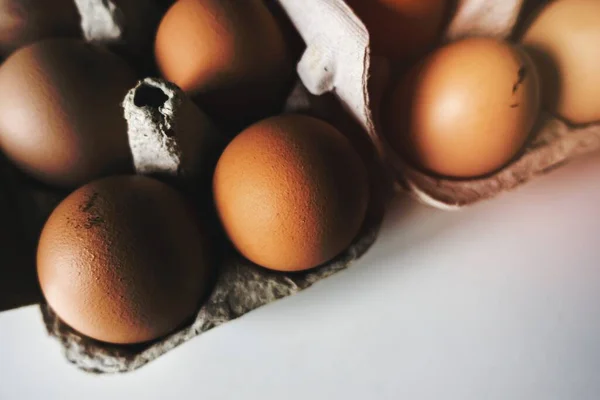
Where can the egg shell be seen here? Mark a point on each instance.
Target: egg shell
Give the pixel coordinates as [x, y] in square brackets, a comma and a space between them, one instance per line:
[123, 260]
[291, 192]
[230, 55]
[564, 42]
[23, 22]
[60, 111]
[467, 109]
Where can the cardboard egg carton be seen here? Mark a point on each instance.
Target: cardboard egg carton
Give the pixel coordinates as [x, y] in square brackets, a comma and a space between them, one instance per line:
[240, 286]
[339, 60]
[552, 143]
[341, 82]
[159, 116]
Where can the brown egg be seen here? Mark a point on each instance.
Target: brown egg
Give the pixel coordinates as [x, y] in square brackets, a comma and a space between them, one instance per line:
[402, 30]
[564, 42]
[23, 22]
[122, 260]
[467, 109]
[60, 111]
[230, 54]
[291, 192]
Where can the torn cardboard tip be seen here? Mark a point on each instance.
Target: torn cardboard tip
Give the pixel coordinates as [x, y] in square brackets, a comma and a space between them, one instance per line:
[169, 135]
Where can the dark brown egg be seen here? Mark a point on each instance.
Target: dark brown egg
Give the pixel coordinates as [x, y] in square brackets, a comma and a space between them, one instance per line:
[123, 260]
[60, 111]
[27, 21]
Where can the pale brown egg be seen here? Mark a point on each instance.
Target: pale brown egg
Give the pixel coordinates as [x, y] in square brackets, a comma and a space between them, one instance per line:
[23, 22]
[230, 55]
[123, 260]
[466, 110]
[61, 119]
[291, 192]
[564, 42]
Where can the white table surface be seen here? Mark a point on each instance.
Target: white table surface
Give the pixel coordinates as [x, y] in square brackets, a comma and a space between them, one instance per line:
[501, 301]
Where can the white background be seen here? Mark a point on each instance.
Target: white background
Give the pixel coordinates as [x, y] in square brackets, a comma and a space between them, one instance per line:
[501, 301]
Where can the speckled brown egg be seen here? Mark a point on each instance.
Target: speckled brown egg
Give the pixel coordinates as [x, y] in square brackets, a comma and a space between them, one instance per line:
[61, 119]
[291, 192]
[564, 42]
[467, 109]
[230, 55]
[123, 260]
[23, 22]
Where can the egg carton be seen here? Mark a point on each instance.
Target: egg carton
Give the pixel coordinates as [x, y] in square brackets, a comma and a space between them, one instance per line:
[159, 115]
[341, 82]
[240, 286]
[553, 142]
[338, 59]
